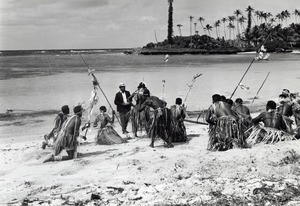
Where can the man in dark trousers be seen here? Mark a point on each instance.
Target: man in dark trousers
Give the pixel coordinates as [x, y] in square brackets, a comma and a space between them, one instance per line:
[123, 106]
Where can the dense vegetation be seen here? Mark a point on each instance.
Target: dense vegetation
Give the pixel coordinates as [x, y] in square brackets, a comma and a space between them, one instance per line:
[274, 31]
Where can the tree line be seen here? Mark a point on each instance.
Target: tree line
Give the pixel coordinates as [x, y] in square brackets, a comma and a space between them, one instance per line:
[237, 31]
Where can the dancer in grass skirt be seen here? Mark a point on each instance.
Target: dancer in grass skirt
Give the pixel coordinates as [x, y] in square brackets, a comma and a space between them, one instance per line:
[107, 135]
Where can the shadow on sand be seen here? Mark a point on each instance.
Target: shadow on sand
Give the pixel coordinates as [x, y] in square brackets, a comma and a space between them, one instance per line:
[89, 154]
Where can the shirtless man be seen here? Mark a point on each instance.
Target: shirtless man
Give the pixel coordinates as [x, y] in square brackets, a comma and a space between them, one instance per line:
[270, 118]
[67, 137]
[241, 109]
[161, 120]
[224, 128]
[218, 109]
[244, 116]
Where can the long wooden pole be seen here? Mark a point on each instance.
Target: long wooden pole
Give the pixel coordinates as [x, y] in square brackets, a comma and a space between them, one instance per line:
[260, 87]
[96, 83]
[249, 67]
[242, 78]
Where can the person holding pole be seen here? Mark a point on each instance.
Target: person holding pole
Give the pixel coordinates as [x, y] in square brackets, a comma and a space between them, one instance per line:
[124, 104]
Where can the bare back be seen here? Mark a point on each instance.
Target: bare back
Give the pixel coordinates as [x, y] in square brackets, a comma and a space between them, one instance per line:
[270, 119]
[73, 125]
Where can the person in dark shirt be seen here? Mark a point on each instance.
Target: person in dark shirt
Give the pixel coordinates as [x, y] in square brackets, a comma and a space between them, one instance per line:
[124, 104]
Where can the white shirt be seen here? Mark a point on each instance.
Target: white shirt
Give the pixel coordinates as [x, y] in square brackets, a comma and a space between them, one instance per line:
[124, 97]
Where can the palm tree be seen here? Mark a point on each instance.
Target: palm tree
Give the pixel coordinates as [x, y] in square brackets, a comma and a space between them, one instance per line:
[285, 14]
[208, 28]
[170, 22]
[249, 10]
[296, 13]
[272, 21]
[195, 25]
[179, 28]
[191, 20]
[257, 14]
[237, 14]
[268, 16]
[231, 20]
[224, 20]
[279, 17]
[217, 25]
[201, 19]
[241, 20]
[230, 27]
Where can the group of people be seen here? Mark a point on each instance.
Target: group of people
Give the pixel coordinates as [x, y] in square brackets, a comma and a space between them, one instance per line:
[144, 110]
[232, 126]
[151, 113]
[230, 123]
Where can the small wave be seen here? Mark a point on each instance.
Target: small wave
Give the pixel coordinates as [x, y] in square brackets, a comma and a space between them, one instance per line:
[14, 115]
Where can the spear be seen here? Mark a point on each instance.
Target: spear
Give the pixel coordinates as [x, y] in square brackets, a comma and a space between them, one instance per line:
[191, 85]
[248, 67]
[96, 83]
[260, 88]
[164, 80]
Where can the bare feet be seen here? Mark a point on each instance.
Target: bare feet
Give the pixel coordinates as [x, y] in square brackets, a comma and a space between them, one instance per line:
[50, 158]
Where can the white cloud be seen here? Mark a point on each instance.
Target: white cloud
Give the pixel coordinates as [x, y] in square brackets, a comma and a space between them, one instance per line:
[148, 19]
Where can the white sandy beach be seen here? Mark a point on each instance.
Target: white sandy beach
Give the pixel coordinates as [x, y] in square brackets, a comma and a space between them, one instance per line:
[136, 174]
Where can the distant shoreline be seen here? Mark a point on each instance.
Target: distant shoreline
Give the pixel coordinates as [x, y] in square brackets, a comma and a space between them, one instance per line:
[135, 51]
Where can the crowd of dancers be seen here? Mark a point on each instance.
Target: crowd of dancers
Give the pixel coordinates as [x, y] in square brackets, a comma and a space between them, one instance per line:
[145, 111]
[230, 123]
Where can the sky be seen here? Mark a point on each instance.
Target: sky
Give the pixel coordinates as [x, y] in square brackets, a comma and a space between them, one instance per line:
[93, 24]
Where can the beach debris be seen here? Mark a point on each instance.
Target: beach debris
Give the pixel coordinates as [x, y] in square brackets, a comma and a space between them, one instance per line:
[128, 182]
[136, 198]
[118, 189]
[291, 158]
[95, 197]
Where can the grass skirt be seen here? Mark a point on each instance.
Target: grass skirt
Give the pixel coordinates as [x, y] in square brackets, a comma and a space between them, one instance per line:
[267, 135]
[225, 134]
[109, 136]
[140, 120]
[160, 125]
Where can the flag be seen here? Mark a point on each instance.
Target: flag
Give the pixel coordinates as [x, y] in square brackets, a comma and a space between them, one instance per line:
[166, 58]
[243, 87]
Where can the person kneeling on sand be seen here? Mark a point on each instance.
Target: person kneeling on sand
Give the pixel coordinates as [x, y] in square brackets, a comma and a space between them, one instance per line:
[225, 132]
[67, 137]
[106, 134]
[274, 128]
[161, 121]
[59, 120]
[178, 130]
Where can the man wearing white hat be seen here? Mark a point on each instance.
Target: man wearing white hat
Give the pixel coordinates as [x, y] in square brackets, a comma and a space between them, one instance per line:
[123, 106]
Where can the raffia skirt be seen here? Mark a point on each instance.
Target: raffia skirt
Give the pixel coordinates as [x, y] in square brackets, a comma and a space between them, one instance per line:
[267, 135]
[225, 134]
[109, 136]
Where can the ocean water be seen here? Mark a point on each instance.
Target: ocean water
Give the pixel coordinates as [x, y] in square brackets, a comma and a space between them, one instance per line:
[34, 83]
